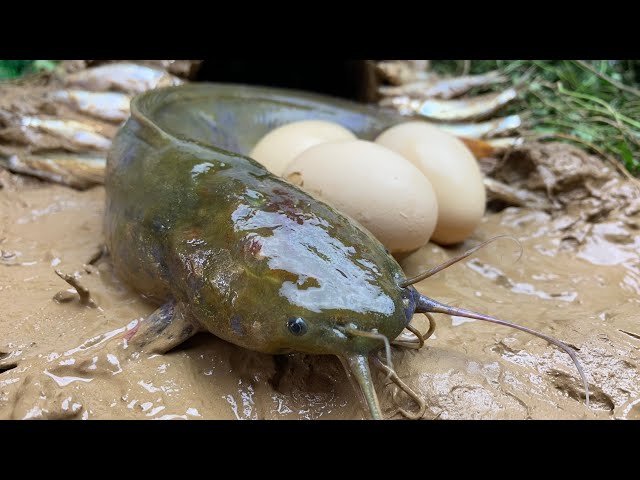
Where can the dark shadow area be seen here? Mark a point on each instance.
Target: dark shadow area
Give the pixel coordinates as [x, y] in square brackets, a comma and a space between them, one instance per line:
[5, 366]
[341, 78]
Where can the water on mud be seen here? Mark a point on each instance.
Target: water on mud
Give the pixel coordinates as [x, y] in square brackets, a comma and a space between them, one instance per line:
[578, 280]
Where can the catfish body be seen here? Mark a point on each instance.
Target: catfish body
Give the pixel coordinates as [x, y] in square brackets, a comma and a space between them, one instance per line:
[244, 254]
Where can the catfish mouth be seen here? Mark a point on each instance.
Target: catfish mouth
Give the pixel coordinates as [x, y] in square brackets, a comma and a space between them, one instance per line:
[410, 300]
[285, 351]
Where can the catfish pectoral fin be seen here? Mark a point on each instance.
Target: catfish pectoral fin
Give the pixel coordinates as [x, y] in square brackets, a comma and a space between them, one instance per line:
[166, 328]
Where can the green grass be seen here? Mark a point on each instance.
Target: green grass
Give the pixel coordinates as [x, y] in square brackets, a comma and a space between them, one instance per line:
[16, 68]
[592, 103]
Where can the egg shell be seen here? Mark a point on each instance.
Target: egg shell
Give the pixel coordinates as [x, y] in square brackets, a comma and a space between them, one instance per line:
[380, 189]
[280, 146]
[452, 170]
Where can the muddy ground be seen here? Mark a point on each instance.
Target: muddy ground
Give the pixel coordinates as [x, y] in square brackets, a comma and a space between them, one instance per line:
[578, 280]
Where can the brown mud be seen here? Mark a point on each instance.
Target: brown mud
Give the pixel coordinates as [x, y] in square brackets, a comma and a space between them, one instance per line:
[578, 280]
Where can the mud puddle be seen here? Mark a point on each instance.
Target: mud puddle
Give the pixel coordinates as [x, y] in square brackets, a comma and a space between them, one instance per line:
[578, 280]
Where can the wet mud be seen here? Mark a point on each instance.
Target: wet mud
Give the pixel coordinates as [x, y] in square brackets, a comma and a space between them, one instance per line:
[578, 279]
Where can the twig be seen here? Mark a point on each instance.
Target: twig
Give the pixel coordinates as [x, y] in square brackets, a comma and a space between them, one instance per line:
[607, 78]
[83, 292]
[599, 101]
[466, 67]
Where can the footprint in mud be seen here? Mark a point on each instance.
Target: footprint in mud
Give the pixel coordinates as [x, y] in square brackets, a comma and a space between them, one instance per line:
[573, 387]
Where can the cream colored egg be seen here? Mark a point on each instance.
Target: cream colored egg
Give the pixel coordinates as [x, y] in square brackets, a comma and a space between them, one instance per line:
[452, 170]
[375, 186]
[280, 146]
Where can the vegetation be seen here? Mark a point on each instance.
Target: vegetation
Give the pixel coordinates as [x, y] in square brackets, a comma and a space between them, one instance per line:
[16, 68]
[592, 103]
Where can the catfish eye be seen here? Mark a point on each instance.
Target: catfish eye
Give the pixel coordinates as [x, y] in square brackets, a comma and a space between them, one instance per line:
[297, 326]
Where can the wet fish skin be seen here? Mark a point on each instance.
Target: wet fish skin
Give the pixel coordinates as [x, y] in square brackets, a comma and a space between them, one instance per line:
[72, 151]
[109, 106]
[505, 143]
[467, 109]
[130, 78]
[490, 128]
[443, 88]
[474, 108]
[487, 148]
[75, 170]
[78, 133]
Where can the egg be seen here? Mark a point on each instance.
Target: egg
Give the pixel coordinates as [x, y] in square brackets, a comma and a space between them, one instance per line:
[452, 170]
[280, 146]
[380, 189]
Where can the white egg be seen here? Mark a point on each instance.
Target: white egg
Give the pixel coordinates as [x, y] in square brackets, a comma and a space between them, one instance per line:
[280, 146]
[377, 187]
[452, 170]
